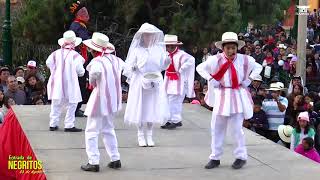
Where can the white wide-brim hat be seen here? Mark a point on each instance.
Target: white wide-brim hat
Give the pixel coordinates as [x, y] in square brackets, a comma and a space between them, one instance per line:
[230, 37]
[285, 132]
[69, 37]
[171, 40]
[100, 43]
[278, 86]
[258, 78]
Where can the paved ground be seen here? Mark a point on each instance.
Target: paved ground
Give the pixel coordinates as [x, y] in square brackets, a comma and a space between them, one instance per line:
[179, 154]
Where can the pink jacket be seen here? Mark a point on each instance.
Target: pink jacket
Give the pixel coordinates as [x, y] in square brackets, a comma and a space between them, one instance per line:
[311, 154]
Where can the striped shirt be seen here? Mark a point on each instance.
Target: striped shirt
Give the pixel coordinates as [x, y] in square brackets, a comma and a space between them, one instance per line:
[274, 115]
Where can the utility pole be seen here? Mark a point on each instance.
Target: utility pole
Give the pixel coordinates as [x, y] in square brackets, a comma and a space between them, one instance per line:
[6, 37]
[302, 36]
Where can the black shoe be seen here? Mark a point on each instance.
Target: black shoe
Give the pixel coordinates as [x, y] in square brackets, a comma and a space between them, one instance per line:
[74, 129]
[115, 164]
[165, 126]
[79, 114]
[238, 164]
[54, 128]
[212, 164]
[179, 124]
[90, 167]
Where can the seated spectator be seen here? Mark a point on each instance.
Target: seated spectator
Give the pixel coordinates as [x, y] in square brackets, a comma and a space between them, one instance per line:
[4, 74]
[197, 88]
[205, 89]
[295, 80]
[1, 98]
[317, 127]
[294, 110]
[302, 130]
[4, 109]
[19, 72]
[13, 92]
[262, 93]
[33, 87]
[21, 83]
[203, 103]
[38, 100]
[310, 73]
[124, 95]
[255, 85]
[275, 107]
[284, 132]
[307, 149]
[259, 121]
[32, 69]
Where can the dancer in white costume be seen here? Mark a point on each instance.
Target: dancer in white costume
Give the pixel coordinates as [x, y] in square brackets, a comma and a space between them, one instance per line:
[178, 80]
[229, 74]
[65, 66]
[104, 102]
[147, 101]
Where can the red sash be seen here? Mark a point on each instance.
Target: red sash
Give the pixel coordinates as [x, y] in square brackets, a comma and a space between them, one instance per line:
[223, 69]
[171, 71]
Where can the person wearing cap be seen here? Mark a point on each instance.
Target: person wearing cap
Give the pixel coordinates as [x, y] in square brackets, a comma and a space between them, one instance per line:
[229, 74]
[4, 74]
[302, 130]
[104, 102]
[178, 79]
[275, 107]
[32, 69]
[21, 83]
[147, 101]
[79, 26]
[65, 66]
[255, 85]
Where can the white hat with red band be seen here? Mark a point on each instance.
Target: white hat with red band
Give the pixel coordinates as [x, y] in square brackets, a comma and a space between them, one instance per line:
[100, 43]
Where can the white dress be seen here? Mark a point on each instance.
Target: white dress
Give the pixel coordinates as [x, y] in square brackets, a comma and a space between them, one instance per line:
[146, 105]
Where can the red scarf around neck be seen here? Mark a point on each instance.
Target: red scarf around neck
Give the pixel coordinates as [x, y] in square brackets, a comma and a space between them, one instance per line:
[171, 71]
[223, 69]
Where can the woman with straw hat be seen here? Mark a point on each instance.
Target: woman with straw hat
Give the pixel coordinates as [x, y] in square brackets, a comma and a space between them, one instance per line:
[229, 74]
[104, 102]
[147, 101]
[65, 65]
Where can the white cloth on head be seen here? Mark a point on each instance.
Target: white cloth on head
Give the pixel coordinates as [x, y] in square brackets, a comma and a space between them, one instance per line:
[103, 125]
[105, 76]
[219, 126]
[175, 106]
[65, 67]
[226, 101]
[56, 110]
[184, 65]
[146, 105]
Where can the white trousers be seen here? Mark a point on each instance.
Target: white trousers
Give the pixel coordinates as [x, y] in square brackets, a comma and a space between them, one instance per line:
[175, 105]
[56, 110]
[219, 126]
[103, 125]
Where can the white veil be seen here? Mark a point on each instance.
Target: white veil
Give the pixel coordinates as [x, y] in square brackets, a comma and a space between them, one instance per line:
[156, 40]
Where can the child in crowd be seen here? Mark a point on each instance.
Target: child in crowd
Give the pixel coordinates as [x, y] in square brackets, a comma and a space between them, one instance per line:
[259, 122]
[302, 130]
[307, 149]
[33, 87]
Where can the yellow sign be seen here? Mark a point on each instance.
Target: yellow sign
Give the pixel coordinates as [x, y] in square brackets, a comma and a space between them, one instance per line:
[25, 164]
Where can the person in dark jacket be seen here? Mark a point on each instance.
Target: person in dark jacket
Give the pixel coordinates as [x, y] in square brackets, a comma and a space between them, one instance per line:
[79, 26]
[259, 122]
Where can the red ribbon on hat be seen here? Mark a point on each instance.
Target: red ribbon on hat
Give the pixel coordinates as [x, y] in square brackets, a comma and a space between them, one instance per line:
[101, 47]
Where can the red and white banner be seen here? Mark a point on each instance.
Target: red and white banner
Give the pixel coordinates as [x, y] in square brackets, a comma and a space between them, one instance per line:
[17, 159]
